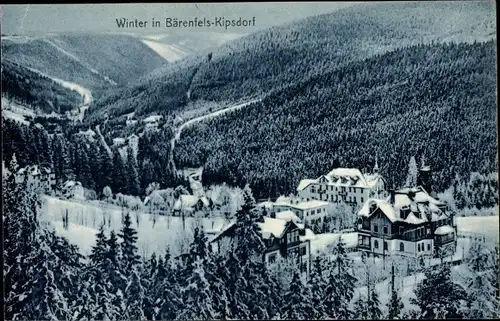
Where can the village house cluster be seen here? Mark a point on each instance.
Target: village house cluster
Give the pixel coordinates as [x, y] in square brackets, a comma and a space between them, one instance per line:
[410, 222]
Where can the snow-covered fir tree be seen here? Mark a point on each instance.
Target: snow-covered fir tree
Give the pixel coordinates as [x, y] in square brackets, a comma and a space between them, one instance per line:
[483, 301]
[318, 283]
[128, 245]
[411, 178]
[438, 296]
[298, 300]
[341, 283]
[394, 305]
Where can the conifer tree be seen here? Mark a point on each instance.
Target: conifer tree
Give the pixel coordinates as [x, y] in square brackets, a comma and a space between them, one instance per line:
[197, 300]
[119, 174]
[135, 295]
[298, 300]
[361, 308]
[438, 296]
[483, 301]
[129, 245]
[395, 305]
[411, 178]
[318, 286]
[133, 182]
[374, 311]
[341, 283]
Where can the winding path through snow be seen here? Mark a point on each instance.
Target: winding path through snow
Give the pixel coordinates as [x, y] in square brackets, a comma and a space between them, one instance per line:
[84, 92]
[199, 119]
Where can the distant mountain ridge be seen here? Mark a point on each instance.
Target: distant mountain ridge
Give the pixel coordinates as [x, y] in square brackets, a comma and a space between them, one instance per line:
[272, 59]
[94, 61]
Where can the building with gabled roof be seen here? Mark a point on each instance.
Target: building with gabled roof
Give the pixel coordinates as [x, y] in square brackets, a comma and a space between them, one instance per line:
[410, 222]
[346, 185]
[281, 237]
[34, 172]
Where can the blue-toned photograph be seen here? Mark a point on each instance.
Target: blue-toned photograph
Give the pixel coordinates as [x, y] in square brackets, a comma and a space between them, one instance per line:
[250, 161]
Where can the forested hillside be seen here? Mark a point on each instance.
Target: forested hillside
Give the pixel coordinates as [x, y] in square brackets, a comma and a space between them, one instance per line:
[433, 100]
[277, 57]
[90, 60]
[32, 89]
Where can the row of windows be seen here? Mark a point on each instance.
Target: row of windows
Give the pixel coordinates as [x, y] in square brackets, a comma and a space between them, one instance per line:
[332, 188]
[375, 245]
[385, 229]
[292, 237]
[421, 247]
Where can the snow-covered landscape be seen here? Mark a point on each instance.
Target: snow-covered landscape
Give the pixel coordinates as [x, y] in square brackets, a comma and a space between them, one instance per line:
[335, 161]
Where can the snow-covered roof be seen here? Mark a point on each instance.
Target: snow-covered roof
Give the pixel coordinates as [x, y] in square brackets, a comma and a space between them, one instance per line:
[152, 119]
[187, 202]
[283, 200]
[304, 183]
[309, 235]
[287, 216]
[118, 141]
[309, 204]
[402, 198]
[347, 177]
[420, 205]
[272, 226]
[445, 229]
[266, 204]
[33, 170]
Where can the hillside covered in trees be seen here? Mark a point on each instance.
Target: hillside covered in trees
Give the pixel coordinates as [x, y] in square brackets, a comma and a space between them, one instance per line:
[96, 61]
[32, 89]
[277, 57]
[436, 101]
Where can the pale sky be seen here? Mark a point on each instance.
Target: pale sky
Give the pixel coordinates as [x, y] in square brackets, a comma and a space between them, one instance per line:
[40, 19]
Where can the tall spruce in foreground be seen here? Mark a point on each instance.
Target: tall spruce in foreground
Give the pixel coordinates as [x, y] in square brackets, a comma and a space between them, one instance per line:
[438, 297]
[318, 285]
[395, 305]
[341, 284]
[483, 301]
[298, 300]
[129, 245]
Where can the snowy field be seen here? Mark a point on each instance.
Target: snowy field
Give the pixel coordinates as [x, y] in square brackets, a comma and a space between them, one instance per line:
[488, 225]
[86, 217]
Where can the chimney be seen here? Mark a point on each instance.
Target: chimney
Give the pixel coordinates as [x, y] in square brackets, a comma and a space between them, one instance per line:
[392, 194]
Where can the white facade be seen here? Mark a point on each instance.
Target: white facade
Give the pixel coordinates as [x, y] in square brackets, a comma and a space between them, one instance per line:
[401, 247]
[310, 212]
[346, 185]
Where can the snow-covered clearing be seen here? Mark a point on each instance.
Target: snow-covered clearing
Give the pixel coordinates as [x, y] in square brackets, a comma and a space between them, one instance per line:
[85, 218]
[170, 53]
[84, 92]
[488, 225]
[14, 111]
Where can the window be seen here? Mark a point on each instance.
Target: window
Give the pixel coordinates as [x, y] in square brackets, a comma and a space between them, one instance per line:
[313, 190]
[375, 228]
[303, 251]
[272, 258]
[375, 244]
[402, 247]
[401, 230]
[362, 200]
[428, 247]
[282, 240]
[386, 246]
[303, 267]
[385, 230]
[418, 247]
